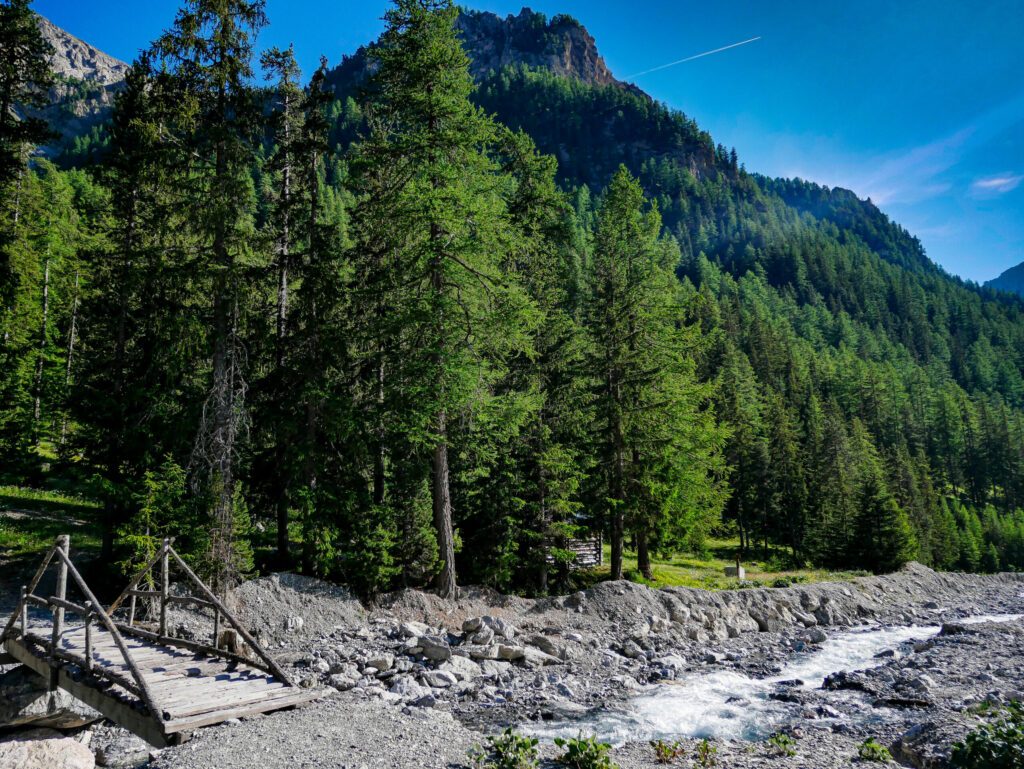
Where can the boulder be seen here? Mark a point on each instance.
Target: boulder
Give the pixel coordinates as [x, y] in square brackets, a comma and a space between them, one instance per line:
[463, 668]
[120, 749]
[435, 648]
[439, 679]
[501, 627]
[25, 700]
[510, 652]
[535, 658]
[381, 661]
[545, 644]
[407, 688]
[44, 749]
[413, 630]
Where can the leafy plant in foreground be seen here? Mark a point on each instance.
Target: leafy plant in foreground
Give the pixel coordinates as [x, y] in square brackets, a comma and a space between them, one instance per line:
[585, 753]
[782, 744]
[707, 755]
[997, 744]
[667, 752]
[507, 750]
[872, 750]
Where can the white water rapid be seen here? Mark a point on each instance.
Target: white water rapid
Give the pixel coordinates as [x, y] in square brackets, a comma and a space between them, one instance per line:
[730, 705]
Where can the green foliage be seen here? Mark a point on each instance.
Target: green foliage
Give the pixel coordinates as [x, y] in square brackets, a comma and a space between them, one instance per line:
[996, 744]
[667, 752]
[782, 744]
[401, 336]
[706, 755]
[585, 753]
[507, 750]
[874, 751]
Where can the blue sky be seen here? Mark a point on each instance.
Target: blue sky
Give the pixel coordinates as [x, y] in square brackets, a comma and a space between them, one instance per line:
[918, 104]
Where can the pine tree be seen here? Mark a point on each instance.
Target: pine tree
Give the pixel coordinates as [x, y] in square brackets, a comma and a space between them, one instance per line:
[213, 119]
[658, 446]
[456, 315]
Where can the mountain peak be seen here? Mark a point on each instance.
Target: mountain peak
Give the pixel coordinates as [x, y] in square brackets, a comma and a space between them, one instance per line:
[77, 60]
[561, 45]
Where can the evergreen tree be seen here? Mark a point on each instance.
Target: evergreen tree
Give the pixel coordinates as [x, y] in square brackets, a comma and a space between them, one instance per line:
[658, 446]
[213, 119]
[456, 316]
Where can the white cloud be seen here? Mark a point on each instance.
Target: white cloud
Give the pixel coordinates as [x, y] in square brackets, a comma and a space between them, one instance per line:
[996, 185]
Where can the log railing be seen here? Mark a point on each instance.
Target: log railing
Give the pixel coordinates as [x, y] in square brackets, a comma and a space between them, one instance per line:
[166, 557]
[91, 612]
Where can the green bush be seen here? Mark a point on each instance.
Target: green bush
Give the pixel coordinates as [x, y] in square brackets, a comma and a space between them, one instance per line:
[782, 744]
[995, 745]
[667, 752]
[585, 753]
[872, 750]
[507, 750]
[707, 755]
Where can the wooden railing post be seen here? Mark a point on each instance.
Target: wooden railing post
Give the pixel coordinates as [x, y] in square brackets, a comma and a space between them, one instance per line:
[63, 544]
[24, 611]
[216, 627]
[88, 637]
[164, 582]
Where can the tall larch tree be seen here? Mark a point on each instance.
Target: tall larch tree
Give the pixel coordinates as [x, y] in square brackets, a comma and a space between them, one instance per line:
[214, 121]
[447, 229]
[660, 449]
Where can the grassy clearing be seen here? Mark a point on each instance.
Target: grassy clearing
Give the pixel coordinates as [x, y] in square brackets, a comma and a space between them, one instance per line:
[30, 520]
[707, 572]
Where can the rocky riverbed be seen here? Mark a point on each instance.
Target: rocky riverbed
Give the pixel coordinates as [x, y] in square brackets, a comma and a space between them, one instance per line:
[416, 681]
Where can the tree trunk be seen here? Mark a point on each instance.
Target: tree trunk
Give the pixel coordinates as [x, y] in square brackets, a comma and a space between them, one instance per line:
[43, 343]
[643, 555]
[282, 321]
[446, 585]
[72, 333]
[618, 477]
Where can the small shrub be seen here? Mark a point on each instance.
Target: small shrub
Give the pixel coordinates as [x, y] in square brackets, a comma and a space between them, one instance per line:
[585, 753]
[667, 752]
[507, 750]
[872, 750]
[707, 755]
[997, 744]
[782, 744]
[781, 582]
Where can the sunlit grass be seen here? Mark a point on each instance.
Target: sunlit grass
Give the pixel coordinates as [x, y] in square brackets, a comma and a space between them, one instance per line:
[707, 571]
[31, 519]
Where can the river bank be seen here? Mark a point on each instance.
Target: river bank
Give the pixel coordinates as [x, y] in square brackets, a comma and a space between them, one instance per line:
[417, 681]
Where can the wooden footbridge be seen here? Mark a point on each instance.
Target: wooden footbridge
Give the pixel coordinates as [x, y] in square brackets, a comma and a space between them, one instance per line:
[135, 672]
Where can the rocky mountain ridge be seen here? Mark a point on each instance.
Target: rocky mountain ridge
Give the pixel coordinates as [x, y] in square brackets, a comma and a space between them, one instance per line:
[84, 87]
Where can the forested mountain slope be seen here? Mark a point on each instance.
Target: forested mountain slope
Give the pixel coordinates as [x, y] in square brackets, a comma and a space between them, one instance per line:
[838, 344]
[1011, 280]
[869, 406]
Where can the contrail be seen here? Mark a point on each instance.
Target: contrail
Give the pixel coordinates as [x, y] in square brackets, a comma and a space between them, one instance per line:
[691, 58]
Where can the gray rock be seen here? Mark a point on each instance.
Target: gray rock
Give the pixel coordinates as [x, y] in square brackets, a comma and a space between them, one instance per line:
[463, 668]
[25, 700]
[511, 652]
[435, 648]
[119, 749]
[439, 679]
[381, 661]
[44, 749]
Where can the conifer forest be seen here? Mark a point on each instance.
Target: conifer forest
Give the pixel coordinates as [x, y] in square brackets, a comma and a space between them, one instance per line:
[403, 322]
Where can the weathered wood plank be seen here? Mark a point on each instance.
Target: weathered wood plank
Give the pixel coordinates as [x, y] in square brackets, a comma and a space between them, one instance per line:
[297, 697]
[140, 723]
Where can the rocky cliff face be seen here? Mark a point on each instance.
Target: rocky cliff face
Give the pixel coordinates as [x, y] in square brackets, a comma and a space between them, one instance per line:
[75, 59]
[561, 45]
[86, 82]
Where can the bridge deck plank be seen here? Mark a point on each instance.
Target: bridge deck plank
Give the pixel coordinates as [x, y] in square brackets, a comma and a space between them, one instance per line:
[192, 689]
